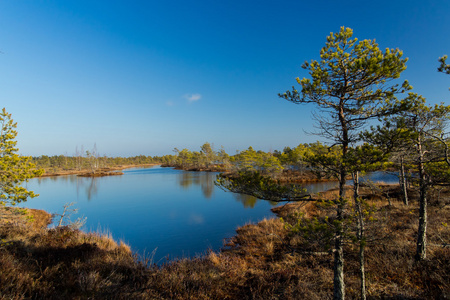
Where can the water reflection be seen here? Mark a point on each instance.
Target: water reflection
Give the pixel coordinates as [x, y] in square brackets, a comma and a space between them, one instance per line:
[195, 218]
[246, 200]
[203, 179]
[316, 187]
[88, 186]
[250, 201]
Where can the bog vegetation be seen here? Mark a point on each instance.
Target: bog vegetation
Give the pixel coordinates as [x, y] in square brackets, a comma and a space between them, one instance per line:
[360, 240]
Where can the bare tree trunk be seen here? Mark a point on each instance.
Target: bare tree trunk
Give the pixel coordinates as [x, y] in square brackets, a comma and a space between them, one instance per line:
[338, 279]
[360, 234]
[421, 251]
[403, 181]
[362, 270]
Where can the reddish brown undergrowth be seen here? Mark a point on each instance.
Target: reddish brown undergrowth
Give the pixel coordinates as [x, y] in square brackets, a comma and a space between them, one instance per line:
[263, 261]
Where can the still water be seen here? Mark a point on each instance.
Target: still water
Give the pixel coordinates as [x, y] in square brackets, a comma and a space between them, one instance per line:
[178, 213]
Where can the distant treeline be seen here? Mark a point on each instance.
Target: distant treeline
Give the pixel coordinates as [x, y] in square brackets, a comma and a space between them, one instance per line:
[207, 158]
[247, 160]
[64, 162]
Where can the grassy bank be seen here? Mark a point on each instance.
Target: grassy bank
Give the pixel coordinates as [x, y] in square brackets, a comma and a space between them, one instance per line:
[262, 261]
[89, 173]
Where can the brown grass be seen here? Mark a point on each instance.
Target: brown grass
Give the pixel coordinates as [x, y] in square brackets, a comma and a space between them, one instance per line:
[88, 172]
[262, 261]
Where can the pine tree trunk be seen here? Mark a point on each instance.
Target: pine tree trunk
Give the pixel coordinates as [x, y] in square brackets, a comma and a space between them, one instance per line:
[421, 251]
[338, 280]
[403, 181]
[422, 232]
[360, 234]
[362, 271]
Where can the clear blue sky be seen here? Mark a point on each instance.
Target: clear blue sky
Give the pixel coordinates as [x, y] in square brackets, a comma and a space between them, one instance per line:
[143, 77]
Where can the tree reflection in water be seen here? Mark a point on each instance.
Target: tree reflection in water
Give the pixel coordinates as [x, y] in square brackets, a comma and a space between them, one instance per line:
[250, 201]
[91, 187]
[246, 200]
[88, 184]
[203, 179]
[206, 182]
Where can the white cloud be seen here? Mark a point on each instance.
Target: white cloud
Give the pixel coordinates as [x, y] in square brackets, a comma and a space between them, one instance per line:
[193, 97]
[170, 103]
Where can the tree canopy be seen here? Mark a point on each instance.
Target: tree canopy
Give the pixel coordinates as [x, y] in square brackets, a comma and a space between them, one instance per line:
[444, 67]
[255, 184]
[351, 83]
[14, 169]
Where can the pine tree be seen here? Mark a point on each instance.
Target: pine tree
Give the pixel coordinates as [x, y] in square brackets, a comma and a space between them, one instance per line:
[349, 85]
[14, 169]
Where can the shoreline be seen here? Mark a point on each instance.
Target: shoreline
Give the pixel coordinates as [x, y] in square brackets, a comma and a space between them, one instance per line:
[110, 171]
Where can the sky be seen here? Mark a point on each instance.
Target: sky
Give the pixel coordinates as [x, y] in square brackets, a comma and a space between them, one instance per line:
[144, 77]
